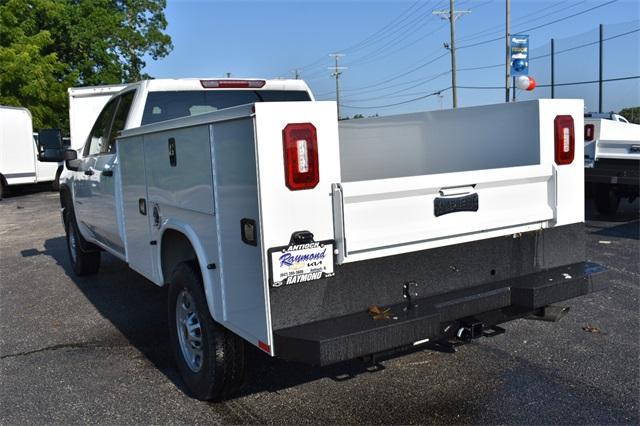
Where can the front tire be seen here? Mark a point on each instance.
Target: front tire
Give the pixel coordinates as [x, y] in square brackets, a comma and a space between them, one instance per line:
[83, 262]
[210, 358]
[55, 185]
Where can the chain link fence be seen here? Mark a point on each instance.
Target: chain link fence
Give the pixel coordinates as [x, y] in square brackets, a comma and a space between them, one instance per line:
[570, 68]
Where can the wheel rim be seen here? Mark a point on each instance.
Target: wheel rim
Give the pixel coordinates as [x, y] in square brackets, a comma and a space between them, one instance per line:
[73, 244]
[189, 331]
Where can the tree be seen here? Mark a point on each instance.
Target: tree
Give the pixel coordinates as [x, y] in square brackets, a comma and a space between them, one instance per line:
[632, 114]
[47, 46]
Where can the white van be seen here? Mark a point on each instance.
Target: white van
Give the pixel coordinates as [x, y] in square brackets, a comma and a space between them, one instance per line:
[19, 149]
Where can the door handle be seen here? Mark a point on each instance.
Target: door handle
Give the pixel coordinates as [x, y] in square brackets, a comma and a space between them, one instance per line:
[107, 173]
[88, 172]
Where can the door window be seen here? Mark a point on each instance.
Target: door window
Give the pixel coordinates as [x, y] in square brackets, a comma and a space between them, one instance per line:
[98, 138]
[120, 120]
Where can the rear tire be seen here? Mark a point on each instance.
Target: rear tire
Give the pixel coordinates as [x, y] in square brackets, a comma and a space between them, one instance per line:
[607, 200]
[210, 358]
[82, 262]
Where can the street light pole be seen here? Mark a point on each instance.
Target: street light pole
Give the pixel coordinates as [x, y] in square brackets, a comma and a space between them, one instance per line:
[508, 51]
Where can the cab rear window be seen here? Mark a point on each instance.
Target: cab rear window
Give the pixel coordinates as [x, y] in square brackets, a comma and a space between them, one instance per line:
[163, 106]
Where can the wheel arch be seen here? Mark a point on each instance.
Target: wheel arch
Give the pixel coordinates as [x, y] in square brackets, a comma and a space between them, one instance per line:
[66, 200]
[179, 243]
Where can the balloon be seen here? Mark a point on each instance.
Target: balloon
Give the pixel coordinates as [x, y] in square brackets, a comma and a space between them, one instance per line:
[525, 82]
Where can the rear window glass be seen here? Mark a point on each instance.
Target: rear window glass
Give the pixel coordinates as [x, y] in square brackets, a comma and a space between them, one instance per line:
[163, 106]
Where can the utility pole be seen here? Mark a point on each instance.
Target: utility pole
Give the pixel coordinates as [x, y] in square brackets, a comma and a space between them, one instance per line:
[296, 74]
[452, 15]
[337, 71]
[507, 39]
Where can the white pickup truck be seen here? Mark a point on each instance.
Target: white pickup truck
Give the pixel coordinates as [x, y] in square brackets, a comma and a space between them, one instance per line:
[318, 241]
[611, 159]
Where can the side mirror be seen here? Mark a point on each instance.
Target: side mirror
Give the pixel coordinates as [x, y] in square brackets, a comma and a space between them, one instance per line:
[71, 161]
[49, 142]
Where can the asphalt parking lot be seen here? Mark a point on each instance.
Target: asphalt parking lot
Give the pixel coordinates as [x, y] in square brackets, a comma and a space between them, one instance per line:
[95, 350]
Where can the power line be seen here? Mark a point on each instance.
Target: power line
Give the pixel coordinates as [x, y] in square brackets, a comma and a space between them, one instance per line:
[521, 20]
[486, 41]
[485, 88]
[557, 52]
[399, 103]
[575, 83]
[377, 84]
[420, 83]
[368, 38]
[399, 33]
[541, 25]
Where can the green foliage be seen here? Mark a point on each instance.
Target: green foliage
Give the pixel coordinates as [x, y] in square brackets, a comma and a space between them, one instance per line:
[47, 46]
[632, 114]
[358, 116]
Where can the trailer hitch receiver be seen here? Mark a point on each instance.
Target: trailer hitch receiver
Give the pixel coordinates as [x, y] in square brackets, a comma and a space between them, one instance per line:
[470, 330]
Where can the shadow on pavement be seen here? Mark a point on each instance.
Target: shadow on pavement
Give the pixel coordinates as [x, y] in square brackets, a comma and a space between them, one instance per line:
[626, 230]
[138, 310]
[627, 216]
[20, 190]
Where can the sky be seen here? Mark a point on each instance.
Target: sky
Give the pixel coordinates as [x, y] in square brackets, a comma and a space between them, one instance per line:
[394, 57]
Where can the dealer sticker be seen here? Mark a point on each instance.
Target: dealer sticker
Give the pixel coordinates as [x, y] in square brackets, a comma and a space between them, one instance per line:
[300, 263]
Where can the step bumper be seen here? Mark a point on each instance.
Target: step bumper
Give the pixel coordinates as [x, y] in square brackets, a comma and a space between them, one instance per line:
[338, 339]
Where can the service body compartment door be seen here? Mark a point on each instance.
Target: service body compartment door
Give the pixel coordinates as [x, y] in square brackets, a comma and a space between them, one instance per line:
[138, 248]
[239, 227]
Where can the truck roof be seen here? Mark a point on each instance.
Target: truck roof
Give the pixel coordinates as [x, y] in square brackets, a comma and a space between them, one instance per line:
[181, 84]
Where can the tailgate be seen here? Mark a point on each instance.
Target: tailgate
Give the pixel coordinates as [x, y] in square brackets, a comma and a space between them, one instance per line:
[493, 173]
[618, 140]
[385, 215]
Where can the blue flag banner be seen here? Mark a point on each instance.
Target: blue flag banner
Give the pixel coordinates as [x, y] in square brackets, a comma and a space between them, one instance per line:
[519, 54]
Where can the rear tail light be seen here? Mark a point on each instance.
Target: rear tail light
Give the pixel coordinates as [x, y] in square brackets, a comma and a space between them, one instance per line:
[300, 145]
[589, 132]
[564, 139]
[232, 84]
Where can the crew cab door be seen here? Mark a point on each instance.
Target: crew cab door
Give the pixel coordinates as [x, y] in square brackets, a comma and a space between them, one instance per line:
[96, 195]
